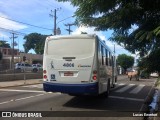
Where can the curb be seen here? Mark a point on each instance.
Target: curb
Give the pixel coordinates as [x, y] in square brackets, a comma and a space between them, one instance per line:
[154, 106]
[22, 84]
[144, 108]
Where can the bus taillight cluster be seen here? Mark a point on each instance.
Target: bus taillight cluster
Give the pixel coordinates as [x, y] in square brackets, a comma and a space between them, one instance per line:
[44, 74]
[94, 77]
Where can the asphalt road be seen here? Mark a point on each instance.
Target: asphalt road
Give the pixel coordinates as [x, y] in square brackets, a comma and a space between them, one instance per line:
[126, 99]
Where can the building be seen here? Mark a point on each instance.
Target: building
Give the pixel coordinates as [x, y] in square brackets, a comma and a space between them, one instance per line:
[6, 61]
[7, 52]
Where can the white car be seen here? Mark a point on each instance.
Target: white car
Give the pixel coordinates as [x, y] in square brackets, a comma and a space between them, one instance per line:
[154, 74]
[25, 67]
[37, 66]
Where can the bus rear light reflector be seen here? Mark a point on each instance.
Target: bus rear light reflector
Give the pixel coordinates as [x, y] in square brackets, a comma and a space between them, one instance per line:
[44, 71]
[94, 77]
[45, 76]
[95, 72]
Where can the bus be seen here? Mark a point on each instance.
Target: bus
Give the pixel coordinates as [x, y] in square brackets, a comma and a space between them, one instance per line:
[78, 65]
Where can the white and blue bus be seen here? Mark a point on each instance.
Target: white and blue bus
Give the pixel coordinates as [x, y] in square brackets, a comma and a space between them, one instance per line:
[78, 65]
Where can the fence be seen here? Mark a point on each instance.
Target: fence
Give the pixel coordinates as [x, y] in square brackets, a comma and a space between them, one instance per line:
[7, 74]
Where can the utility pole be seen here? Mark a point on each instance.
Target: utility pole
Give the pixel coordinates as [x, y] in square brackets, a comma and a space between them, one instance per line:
[55, 19]
[69, 25]
[12, 60]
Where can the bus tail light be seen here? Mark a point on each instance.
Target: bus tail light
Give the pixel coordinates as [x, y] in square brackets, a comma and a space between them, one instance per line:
[94, 71]
[45, 76]
[94, 77]
[44, 71]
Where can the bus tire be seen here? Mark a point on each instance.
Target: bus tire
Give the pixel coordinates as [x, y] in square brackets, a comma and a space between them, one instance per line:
[75, 95]
[106, 94]
[116, 79]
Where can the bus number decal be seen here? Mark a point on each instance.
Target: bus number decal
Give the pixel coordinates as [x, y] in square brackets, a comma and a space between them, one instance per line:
[68, 64]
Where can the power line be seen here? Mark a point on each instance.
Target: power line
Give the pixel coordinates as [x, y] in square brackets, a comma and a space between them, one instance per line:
[42, 4]
[26, 23]
[50, 4]
[5, 29]
[65, 19]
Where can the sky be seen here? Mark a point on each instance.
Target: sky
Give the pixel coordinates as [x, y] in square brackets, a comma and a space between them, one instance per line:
[20, 17]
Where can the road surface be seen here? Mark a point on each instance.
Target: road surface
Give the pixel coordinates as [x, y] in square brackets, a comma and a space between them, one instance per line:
[127, 99]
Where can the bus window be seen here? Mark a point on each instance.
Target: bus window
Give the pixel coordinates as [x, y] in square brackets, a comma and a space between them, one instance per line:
[110, 59]
[59, 48]
[102, 53]
[107, 58]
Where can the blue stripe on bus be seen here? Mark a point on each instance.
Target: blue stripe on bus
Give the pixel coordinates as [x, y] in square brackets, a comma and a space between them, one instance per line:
[90, 88]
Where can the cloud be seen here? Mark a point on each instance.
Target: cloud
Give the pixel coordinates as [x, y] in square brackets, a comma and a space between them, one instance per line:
[90, 30]
[2, 35]
[67, 5]
[8, 24]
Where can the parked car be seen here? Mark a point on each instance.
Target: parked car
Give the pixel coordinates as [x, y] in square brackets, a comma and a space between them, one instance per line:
[25, 67]
[144, 74]
[37, 67]
[130, 70]
[155, 74]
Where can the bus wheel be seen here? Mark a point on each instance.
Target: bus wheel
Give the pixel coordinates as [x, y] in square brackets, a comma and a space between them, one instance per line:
[116, 79]
[105, 94]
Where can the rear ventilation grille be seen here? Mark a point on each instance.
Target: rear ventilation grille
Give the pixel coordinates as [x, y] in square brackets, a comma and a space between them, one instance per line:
[69, 58]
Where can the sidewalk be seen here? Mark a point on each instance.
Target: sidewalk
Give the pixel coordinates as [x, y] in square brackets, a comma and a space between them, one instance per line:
[20, 83]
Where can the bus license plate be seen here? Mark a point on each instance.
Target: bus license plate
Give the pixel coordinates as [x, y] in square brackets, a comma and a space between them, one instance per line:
[68, 74]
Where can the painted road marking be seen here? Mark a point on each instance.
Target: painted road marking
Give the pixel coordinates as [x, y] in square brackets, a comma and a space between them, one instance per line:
[18, 99]
[121, 84]
[12, 100]
[34, 86]
[12, 90]
[125, 88]
[125, 98]
[137, 89]
[118, 85]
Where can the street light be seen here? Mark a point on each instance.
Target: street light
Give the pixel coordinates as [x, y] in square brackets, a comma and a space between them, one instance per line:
[57, 30]
[64, 19]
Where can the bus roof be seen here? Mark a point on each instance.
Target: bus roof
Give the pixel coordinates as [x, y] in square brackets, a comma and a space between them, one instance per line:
[82, 36]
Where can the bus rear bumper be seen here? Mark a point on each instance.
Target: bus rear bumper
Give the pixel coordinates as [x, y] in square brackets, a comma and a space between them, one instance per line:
[85, 89]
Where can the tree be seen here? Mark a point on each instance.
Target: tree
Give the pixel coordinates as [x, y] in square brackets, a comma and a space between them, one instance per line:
[136, 23]
[151, 62]
[4, 44]
[125, 61]
[34, 41]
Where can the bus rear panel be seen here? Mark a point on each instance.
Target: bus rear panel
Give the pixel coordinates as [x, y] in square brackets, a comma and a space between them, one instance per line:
[70, 65]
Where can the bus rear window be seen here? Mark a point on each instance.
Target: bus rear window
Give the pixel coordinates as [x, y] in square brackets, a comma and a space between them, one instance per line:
[71, 47]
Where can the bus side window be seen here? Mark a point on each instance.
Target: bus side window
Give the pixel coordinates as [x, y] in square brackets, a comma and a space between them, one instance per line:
[107, 58]
[110, 59]
[102, 55]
